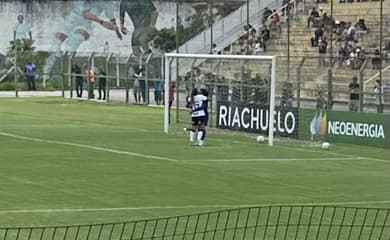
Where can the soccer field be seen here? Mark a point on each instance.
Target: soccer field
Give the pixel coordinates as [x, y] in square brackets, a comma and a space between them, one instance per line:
[68, 162]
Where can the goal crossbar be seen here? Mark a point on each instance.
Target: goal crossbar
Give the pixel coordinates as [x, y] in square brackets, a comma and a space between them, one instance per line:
[167, 65]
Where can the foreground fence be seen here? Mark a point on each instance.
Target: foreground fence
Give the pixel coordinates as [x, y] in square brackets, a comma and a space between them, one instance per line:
[273, 222]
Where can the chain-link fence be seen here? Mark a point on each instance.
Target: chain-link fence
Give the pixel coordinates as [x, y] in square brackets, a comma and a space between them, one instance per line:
[321, 46]
[268, 222]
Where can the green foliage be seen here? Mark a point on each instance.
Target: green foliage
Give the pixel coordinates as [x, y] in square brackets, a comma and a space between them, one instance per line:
[7, 86]
[26, 53]
[24, 50]
[166, 37]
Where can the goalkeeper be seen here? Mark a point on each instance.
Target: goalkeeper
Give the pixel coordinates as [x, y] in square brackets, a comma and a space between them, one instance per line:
[198, 104]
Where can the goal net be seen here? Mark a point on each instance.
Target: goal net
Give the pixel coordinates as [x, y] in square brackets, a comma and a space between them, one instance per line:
[241, 92]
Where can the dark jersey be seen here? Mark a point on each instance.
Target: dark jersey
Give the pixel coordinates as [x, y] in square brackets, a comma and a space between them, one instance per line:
[354, 90]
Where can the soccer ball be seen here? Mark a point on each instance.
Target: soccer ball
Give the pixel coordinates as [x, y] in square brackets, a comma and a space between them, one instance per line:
[325, 145]
[260, 138]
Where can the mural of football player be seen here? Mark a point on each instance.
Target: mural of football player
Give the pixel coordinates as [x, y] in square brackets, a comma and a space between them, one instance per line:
[143, 14]
[78, 28]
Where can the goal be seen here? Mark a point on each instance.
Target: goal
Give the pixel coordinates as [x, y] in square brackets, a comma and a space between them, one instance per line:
[241, 92]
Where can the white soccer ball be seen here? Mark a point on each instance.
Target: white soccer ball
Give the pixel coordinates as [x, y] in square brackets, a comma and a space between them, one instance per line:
[260, 138]
[325, 145]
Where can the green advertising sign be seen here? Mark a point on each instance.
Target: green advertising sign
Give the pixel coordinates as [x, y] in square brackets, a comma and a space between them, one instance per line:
[345, 127]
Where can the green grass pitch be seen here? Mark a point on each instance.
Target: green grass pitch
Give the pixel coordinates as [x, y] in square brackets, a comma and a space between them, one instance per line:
[68, 162]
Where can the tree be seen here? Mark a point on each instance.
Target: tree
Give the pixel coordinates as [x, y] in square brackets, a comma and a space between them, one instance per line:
[166, 37]
[24, 49]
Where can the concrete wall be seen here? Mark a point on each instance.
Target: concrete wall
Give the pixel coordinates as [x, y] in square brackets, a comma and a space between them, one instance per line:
[49, 17]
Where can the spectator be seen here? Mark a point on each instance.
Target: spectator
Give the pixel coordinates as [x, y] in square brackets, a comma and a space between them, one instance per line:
[378, 89]
[344, 35]
[322, 44]
[172, 87]
[106, 49]
[265, 36]
[79, 80]
[321, 12]
[350, 32]
[30, 71]
[90, 75]
[286, 5]
[102, 84]
[244, 50]
[376, 60]
[314, 18]
[351, 59]
[258, 48]
[321, 101]
[386, 50]
[252, 37]
[137, 87]
[136, 92]
[318, 34]
[157, 91]
[327, 22]
[361, 29]
[342, 55]
[267, 12]
[22, 30]
[276, 21]
[360, 57]
[216, 50]
[354, 90]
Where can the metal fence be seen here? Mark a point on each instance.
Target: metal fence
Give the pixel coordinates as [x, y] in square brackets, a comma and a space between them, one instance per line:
[266, 222]
[298, 63]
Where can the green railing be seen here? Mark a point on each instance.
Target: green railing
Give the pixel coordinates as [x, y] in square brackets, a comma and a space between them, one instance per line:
[271, 222]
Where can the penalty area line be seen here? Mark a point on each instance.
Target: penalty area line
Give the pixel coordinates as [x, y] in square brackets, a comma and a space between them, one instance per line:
[40, 140]
[113, 209]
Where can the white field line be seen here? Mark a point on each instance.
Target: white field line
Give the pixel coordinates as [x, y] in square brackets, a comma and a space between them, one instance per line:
[302, 149]
[113, 209]
[282, 159]
[175, 160]
[87, 147]
[298, 148]
[334, 154]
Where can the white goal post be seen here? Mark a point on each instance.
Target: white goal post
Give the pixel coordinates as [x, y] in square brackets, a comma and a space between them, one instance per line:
[170, 57]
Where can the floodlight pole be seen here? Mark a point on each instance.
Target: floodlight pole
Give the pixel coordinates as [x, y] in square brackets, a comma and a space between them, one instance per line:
[381, 54]
[167, 65]
[330, 72]
[211, 23]
[117, 71]
[127, 77]
[247, 25]
[70, 74]
[147, 78]
[90, 64]
[177, 60]
[287, 11]
[16, 69]
[62, 74]
[108, 59]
